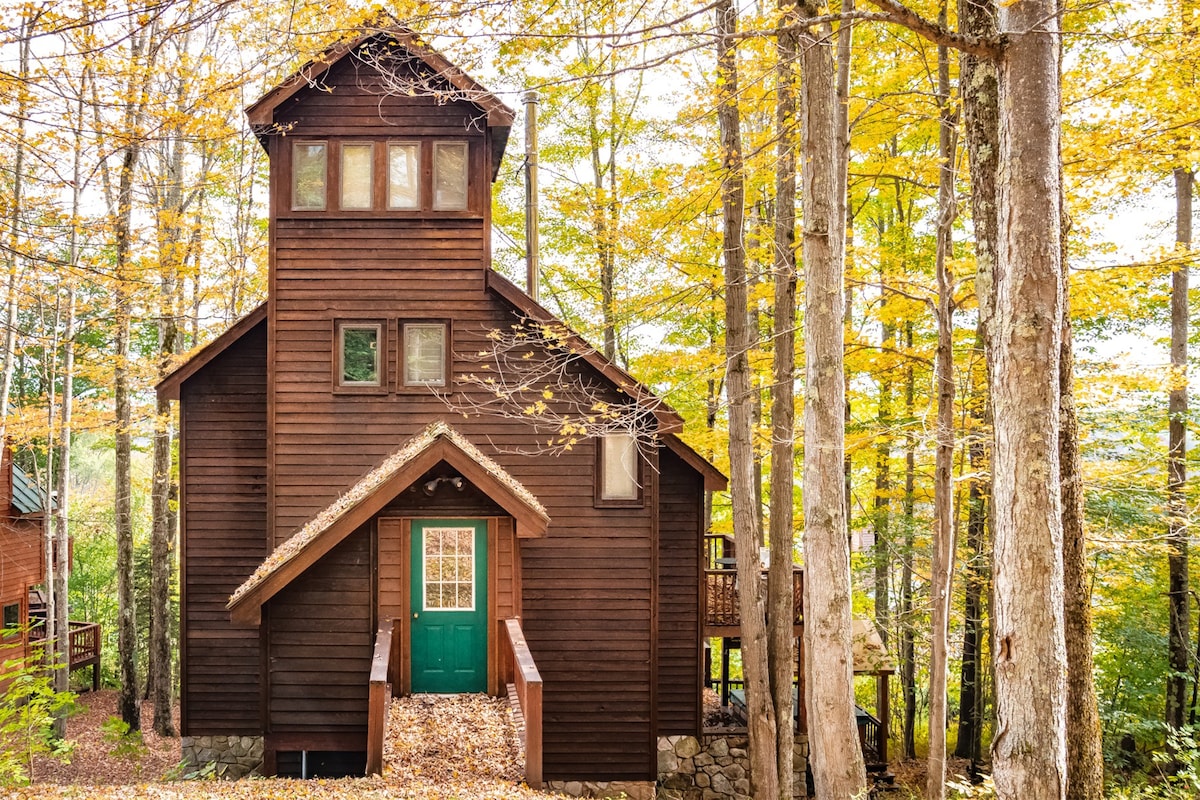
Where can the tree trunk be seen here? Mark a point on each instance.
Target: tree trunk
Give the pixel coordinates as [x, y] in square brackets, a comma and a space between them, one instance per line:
[781, 636]
[1177, 511]
[943, 503]
[1029, 748]
[970, 694]
[908, 661]
[761, 714]
[836, 756]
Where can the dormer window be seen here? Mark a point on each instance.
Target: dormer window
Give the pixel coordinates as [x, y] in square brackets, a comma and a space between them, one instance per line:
[404, 175]
[308, 176]
[358, 176]
[449, 176]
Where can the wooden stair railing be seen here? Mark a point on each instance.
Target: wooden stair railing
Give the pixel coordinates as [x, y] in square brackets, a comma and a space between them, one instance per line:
[83, 646]
[380, 697]
[522, 672]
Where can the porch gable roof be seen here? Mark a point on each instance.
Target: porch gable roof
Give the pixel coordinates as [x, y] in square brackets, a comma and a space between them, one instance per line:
[438, 442]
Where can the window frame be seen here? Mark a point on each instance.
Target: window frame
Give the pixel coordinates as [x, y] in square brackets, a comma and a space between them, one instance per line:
[636, 501]
[402, 384]
[341, 176]
[420, 175]
[381, 355]
[293, 172]
[16, 622]
[465, 144]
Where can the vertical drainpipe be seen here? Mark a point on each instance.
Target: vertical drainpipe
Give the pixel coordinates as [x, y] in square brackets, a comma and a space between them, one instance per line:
[530, 98]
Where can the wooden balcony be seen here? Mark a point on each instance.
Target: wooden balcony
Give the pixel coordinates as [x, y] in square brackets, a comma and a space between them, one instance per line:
[722, 614]
[83, 648]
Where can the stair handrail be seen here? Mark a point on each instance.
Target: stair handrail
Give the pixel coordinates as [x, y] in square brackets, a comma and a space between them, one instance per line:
[528, 683]
[379, 698]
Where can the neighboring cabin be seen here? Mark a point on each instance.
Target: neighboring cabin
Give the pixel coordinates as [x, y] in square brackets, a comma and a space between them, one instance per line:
[349, 519]
[22, 561]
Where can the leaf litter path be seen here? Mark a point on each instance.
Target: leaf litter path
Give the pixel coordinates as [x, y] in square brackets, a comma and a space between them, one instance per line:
[462, 747]
[452, 737]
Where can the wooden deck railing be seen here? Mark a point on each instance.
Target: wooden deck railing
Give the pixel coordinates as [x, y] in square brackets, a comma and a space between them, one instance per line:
[521, 671]
[83, 647]
[380, 697]
[721, 609]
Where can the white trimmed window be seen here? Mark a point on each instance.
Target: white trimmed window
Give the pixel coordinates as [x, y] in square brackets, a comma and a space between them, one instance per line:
[619, 468]
[358, 176]
[358, 354]
[425, 346]
[308, 176]
[450, 176]
[404, 175]
[449, 579]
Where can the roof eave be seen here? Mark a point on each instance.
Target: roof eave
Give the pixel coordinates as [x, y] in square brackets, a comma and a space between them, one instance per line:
[169, 386]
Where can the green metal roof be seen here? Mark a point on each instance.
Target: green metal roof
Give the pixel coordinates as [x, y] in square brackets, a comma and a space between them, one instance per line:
[26, 496]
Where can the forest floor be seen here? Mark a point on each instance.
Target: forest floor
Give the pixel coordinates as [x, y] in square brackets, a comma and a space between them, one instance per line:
[464, 748]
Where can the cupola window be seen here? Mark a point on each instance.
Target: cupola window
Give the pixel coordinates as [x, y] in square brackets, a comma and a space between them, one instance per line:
[404, 175]
[308, 176]
[357, 176]
[450, 176]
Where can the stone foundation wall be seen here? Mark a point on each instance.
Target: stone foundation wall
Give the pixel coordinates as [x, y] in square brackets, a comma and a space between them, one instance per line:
[233, 756]
[634, 790]
[716, 767]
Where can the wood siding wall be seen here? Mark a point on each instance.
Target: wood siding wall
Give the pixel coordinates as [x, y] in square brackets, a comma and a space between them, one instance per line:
[322, 632]
[224, 536]
[680, 505]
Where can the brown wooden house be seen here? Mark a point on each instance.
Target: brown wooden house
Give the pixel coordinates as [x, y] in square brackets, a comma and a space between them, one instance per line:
[23, 571]
[356, 521]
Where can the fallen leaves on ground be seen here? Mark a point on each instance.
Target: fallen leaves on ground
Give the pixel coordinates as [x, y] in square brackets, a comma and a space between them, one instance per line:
[462, 747]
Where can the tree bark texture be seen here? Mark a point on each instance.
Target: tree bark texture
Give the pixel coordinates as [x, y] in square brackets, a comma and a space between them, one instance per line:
[781, 637]
[738, 340]
[1179, 652]
[943, 487]
[1029, 749]
[836, 757]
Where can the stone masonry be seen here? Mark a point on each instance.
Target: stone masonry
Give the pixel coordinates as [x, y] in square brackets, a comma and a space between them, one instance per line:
[716, 767]
[233, 757]
[633, 790]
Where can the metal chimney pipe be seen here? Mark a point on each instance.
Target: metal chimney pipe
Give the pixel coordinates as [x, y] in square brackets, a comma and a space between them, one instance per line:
[530, 98]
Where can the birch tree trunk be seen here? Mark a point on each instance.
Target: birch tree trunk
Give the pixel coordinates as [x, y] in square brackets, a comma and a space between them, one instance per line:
[781, 637]
[760, 712]
[1029, 749]
[943, 502]
[836, 756]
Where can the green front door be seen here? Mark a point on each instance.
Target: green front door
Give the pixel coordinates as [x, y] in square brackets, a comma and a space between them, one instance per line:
[449, 606]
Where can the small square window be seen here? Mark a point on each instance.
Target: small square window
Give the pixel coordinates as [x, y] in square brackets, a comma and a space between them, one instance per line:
[12, 615]
[308, 176]
[357, 176]
[404, 175]
[425, 356]
[450, 176]
[618, 468]
[358, 354]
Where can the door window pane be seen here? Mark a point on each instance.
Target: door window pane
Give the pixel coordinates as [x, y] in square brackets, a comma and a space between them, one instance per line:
[357, 169]
[359, 349]
[425, 354]
[620, 464]
[308, 176]
[449, 556]
[450, 175]
[404, 175]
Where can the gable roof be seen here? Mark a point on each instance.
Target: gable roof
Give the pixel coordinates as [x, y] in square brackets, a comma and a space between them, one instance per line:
[168, 387]
[261, 113]
[668, 418]
[714, 479]
[438, 442]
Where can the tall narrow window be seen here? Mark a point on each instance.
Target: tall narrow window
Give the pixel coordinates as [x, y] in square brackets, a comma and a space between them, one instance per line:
[450, 176]
[619, 468]
[404, 175]
[358, 348]
[308, 176]
[357, 176]
[424, 354]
